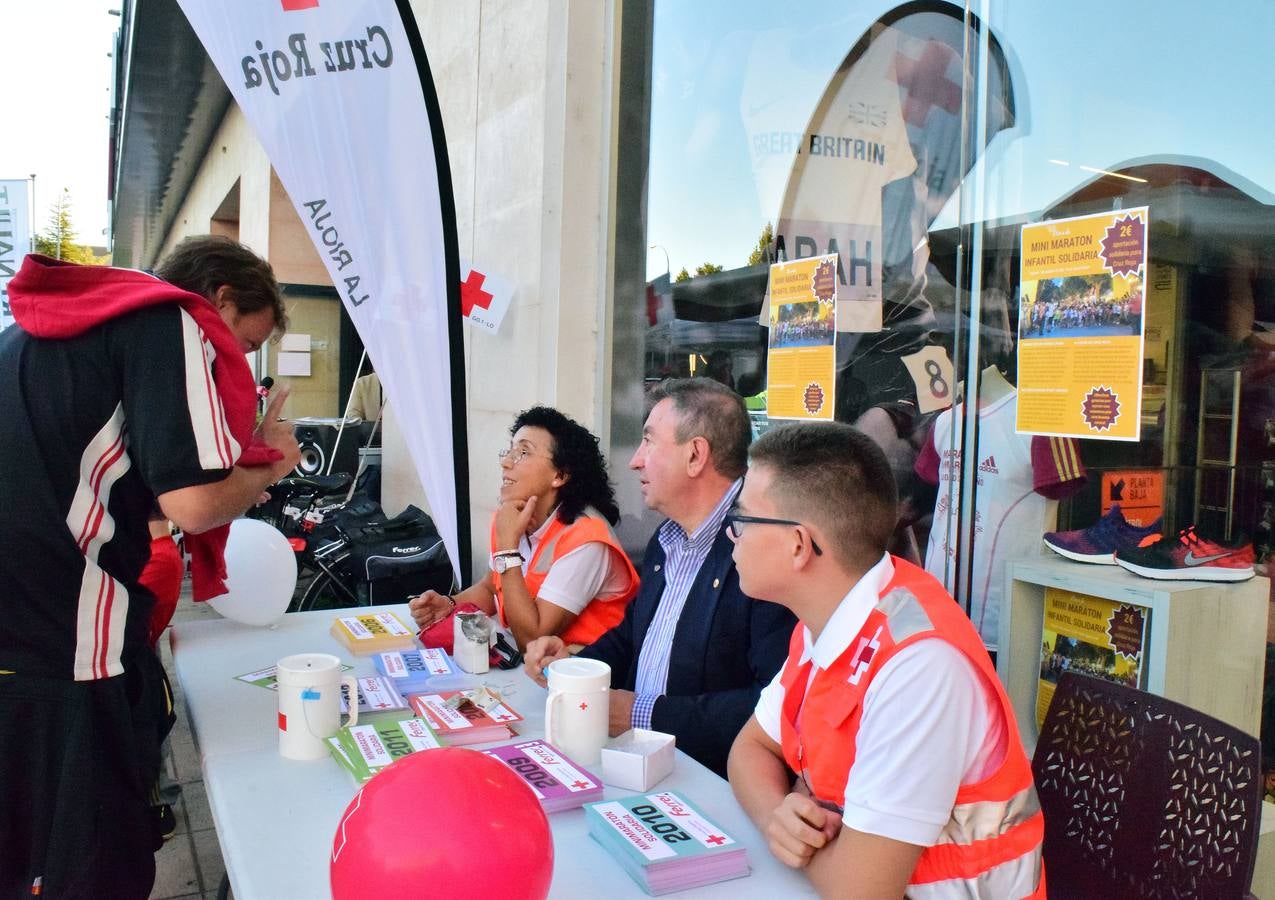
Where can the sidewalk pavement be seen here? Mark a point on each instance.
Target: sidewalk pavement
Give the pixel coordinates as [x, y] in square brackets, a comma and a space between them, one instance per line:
[189, 866]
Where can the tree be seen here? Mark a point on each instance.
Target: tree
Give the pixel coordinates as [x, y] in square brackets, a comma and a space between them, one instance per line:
[59, 238]
[761, 253]
[707, 268]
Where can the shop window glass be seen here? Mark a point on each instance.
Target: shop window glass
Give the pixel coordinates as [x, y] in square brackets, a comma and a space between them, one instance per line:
[836, 128]
[916, 141]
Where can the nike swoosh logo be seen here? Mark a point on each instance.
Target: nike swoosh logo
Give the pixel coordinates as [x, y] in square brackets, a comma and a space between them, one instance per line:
[1192, 560]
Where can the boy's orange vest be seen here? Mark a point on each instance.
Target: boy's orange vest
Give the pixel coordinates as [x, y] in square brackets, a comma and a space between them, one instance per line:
[996, 828]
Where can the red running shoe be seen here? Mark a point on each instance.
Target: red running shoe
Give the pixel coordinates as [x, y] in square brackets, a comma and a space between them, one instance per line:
[1188, 557]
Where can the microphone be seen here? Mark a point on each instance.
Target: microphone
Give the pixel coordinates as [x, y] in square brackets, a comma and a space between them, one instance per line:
[263, 389]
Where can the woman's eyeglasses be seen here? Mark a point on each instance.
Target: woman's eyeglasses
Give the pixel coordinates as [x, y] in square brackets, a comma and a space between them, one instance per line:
[735, 521]
[515, 455]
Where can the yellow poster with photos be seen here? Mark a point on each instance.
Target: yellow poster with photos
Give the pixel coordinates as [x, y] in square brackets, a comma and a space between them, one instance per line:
[1093, 636]
[1080, 326]
[801, 361]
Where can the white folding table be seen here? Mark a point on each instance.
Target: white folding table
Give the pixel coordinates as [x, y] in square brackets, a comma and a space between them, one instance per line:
[275, 817]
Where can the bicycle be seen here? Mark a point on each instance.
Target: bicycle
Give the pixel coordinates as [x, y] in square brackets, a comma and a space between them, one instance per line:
[348, 553]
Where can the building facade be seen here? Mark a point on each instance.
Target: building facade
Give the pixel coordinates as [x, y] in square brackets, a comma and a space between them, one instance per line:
[634, 168]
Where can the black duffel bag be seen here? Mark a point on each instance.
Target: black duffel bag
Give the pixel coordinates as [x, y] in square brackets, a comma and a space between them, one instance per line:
[392, 560]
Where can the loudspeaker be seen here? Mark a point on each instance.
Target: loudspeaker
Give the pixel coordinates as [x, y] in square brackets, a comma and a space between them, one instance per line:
[317, 439]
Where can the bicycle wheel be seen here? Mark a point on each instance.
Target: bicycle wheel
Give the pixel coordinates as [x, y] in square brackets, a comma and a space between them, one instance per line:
[325, 592]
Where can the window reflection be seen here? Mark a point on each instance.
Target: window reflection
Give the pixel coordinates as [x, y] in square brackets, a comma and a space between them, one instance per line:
[881, 134]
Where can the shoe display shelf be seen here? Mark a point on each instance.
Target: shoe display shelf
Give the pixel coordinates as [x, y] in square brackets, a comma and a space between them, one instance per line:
[1205, 644]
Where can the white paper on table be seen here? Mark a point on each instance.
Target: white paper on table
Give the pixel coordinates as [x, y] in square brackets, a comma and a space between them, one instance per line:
[292, 363]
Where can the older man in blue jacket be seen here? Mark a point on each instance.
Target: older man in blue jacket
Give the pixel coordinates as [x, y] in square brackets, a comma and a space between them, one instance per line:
[693, 652]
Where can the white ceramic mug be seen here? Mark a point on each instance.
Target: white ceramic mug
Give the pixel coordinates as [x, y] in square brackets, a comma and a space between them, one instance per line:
[577, 711]
[309, 687]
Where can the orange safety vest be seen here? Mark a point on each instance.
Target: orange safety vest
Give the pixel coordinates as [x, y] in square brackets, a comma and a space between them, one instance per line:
[599, 616]
[991, 845]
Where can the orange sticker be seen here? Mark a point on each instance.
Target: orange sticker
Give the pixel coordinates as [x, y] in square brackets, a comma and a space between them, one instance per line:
[1138, 493]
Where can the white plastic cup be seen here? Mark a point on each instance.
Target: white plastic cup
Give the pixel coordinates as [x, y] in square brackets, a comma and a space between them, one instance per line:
[577, 711]
[309, 686]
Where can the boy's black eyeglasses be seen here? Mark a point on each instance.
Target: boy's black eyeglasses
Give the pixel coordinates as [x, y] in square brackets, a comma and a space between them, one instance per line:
[735, 520]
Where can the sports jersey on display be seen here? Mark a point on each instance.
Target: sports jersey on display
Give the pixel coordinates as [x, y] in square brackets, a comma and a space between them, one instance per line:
[1019, 481]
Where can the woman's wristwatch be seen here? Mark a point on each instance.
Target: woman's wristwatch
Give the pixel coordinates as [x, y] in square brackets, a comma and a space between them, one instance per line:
[503, 560]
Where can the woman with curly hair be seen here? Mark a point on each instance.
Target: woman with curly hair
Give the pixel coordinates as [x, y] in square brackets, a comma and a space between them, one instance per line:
[556, 565]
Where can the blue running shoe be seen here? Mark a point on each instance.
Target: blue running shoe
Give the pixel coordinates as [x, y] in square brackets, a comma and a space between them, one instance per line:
[1099, 542]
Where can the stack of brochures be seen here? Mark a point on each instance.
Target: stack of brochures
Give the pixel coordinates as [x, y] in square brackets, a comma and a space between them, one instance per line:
[665, 843]
[367, 748]
[376, 694]
[465, 722]
[557, 781]
[416, 671]
[373, 633]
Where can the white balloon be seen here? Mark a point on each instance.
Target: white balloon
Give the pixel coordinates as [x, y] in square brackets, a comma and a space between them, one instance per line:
[261, 574]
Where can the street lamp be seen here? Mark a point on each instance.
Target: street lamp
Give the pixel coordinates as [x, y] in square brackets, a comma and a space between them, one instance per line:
[667, 268]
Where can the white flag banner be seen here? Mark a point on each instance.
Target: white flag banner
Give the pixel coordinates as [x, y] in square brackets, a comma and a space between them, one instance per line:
[340, 95]
[15, 238]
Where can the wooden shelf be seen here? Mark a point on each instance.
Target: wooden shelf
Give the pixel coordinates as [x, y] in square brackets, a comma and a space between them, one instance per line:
[1206, 642]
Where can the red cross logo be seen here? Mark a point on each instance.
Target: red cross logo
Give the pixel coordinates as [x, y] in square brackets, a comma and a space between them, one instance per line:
[294, 5]
[926, 83]
[472, 293]
[579, 785]
[715, 839]
[503, 717]
[584, 705]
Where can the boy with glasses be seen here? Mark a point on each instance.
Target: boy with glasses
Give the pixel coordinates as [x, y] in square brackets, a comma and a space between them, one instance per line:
[910, 773]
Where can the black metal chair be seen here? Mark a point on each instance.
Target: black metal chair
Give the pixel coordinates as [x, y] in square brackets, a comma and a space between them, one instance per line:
[1144, 797]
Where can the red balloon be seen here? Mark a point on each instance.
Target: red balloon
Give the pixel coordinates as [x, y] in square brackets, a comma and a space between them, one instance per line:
[448, 823]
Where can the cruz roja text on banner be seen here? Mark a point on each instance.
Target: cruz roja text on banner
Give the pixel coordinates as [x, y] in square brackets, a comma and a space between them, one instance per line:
[340, 95]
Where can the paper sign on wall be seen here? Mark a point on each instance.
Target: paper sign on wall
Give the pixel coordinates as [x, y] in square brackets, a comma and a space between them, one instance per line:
[1080, 326]
[484, 298]
[801, 364]
[1138, 493]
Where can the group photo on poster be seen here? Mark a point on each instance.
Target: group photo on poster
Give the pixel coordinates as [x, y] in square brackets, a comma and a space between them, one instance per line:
[1080, 306]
